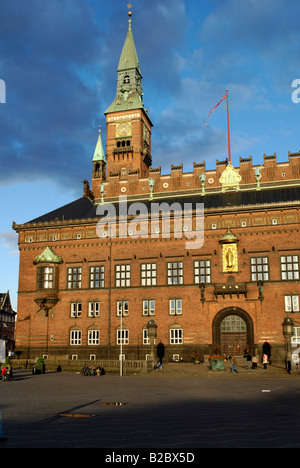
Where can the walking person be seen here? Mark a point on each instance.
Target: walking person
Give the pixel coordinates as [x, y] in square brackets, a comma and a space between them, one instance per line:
[249, 359]
[160, 351]
[234, 366]
[254, 362]
[265, 361]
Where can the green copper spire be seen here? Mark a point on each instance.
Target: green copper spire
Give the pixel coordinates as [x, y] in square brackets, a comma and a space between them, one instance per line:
[129, 58]
[129, 94]
[99, 154]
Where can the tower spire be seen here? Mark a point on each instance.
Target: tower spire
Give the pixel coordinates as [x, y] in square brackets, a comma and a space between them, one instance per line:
[128, 130]
[129, 95]
[99, 159]
[99, 154]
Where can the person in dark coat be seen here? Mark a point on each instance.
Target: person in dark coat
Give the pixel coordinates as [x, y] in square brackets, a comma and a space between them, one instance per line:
[160, 351]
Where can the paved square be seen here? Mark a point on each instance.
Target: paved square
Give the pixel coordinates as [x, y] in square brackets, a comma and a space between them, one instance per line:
[163, 410]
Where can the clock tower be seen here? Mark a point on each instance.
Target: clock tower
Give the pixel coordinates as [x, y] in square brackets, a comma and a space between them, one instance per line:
[128, 134]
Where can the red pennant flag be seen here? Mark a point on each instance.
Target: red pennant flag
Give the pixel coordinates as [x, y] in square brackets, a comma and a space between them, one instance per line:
[204, 125]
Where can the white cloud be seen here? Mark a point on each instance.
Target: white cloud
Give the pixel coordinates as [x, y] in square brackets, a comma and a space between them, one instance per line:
[10, 242]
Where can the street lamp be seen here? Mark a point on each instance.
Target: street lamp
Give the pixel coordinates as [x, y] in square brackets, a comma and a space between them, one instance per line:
[152, 333]
[288, 330]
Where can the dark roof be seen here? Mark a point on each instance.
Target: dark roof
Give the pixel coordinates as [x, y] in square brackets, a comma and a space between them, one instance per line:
[84, 208]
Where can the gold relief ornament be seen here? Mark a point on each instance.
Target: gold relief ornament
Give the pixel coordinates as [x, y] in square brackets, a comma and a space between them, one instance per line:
[123, 129]
[229, 252]
[230, 178]
[229, 258]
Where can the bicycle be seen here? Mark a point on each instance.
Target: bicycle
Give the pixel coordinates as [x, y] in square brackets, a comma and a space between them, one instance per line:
[5, 377]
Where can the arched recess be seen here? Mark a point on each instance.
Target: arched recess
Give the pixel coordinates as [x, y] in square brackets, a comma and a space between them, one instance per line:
[216, 327]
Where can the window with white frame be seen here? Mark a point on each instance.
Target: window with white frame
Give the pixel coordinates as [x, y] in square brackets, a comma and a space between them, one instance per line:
[74, 278]
[97, 276]
[291, 302]
[296, 336]
[93, 337]
[148, 274]
[94, 309]
[76, 309]
[176, 336]
[289, 265]
[259, 268]
[75, 337]
[146, 339]
[175, 272]
[148, 307]
[45, 277]
[175, 306]
[122, 308]
[202, 271]
[123, 336]
[122, 276]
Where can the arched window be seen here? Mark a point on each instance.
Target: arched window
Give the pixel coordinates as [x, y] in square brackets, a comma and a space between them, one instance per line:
[233, 323]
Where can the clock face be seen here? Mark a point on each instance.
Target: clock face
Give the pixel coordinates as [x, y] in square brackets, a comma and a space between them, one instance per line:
[123, 129]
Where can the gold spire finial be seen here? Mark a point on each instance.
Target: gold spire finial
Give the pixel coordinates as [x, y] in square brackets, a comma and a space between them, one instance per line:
[129, 7]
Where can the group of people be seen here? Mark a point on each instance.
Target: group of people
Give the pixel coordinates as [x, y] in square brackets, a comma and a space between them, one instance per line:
[251, 361]
[93, 370]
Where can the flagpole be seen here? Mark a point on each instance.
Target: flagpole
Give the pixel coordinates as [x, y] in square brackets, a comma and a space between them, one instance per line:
[228, 132]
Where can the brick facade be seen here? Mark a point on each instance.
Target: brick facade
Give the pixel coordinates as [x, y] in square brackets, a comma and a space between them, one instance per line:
[193, 294]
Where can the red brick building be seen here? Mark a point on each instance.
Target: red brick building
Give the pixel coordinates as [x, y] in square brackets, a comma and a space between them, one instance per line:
[84, 288]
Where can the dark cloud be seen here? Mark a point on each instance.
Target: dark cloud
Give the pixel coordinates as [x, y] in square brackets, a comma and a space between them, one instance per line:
[49, 120]
[59, 60]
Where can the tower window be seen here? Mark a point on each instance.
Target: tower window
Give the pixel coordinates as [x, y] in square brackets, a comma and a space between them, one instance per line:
[126, 79]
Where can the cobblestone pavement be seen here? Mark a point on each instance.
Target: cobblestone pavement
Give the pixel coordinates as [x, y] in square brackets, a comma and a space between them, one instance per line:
[182, 407]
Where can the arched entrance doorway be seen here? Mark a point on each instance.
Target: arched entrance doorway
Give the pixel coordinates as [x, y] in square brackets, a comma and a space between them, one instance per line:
[233, 331]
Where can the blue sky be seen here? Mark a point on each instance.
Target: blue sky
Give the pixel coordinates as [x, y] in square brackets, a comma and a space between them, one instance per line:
[58, 59]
